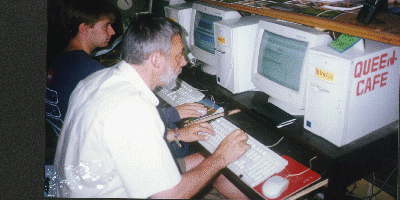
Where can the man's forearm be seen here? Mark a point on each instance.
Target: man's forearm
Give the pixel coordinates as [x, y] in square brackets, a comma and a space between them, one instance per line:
[194, 180]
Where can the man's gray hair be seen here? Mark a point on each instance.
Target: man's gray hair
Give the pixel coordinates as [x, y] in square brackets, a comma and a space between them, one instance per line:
[147, 34]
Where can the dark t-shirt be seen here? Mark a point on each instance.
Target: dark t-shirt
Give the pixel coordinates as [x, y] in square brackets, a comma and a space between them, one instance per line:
[66, 71]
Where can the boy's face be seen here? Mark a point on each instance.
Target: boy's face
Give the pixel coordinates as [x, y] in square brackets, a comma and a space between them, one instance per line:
[100, 34]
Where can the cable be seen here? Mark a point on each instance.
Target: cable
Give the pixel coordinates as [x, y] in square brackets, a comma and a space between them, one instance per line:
[355, 186]
[276, 143]
[373, 183]
[213, 100]
[322, 13]
[379, 191]
[304, 170]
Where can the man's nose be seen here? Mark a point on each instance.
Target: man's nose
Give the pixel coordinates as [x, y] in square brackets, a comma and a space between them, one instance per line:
[184, 62]
[111, 31]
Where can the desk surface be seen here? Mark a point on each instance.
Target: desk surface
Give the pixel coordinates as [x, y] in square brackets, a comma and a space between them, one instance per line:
[352, 161]
[345, 23]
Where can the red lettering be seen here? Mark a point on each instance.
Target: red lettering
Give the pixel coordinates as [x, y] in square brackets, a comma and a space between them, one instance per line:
[358, 69]
[358, 88]
[375, 63]
[372, 65]
[366, 67]
[384, 78]
[376, 80]
[383, 61]
[368, 85]
[392, 59]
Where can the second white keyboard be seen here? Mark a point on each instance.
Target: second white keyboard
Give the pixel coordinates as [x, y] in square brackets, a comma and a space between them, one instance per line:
[256, 165]
[185, 94]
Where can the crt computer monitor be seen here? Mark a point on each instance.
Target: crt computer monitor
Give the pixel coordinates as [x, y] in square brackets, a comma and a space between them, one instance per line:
[182, 14]
[201, 35]
[280, 62]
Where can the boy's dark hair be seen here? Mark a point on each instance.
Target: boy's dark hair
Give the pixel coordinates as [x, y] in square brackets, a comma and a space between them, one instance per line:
[85, 11]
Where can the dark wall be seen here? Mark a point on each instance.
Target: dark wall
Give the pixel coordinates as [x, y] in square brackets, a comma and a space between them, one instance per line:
[23, 33]
[56, 38]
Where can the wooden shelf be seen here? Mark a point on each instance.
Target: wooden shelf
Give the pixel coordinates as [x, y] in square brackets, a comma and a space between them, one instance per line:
[347, 23]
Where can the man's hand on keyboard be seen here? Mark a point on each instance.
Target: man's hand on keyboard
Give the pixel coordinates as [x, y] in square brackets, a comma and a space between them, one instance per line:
[190, 110]
[191, 133]
[233, 146]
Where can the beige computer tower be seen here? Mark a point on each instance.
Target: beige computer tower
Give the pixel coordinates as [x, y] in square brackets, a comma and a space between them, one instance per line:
[353, 93]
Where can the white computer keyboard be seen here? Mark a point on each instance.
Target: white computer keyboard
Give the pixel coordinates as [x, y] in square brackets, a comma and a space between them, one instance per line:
[185, 94]
[256, 165]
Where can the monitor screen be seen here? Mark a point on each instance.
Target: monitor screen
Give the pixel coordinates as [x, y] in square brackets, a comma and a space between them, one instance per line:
[204, 31]
[201, 35]
[281, 59]
[280, 62]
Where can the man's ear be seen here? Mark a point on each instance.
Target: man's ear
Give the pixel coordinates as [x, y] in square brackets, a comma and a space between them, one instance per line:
[157, 60]
[83, 27]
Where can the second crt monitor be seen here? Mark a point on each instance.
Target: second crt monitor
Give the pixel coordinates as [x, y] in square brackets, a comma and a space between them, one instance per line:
[182, 14]
[202, 44]
[280, 62]
[234, 49]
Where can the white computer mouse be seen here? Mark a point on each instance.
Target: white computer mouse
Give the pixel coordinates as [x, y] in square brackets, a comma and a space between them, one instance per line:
[274, 187]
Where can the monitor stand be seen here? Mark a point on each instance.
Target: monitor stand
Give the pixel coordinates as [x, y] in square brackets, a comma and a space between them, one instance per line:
[286, 107]
[208, 69]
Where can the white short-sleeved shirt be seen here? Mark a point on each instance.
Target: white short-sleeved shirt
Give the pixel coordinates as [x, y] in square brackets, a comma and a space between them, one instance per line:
[112, 144]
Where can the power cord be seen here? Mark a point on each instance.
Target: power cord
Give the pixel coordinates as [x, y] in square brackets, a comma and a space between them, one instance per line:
[355, 186]
[304, 170]
[213, 100]
[379, 191]
[276, 143]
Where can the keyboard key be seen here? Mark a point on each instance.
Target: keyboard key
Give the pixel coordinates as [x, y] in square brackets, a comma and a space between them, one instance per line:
[256, 165]
[185, 94]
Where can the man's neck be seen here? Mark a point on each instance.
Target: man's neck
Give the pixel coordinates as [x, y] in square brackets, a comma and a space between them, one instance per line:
[147, 76]
[77, 44]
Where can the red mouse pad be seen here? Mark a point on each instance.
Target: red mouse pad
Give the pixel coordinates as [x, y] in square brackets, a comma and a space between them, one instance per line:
[296, 183]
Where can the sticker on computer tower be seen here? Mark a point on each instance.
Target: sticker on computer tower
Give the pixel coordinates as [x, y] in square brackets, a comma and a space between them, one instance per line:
[324, 75]
[221, 40]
